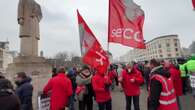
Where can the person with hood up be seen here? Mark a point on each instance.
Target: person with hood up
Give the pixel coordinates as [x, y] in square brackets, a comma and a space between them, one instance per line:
[176, 78]
[161, 90]
[8, 99]
[190, 65]
[60, 88]
[131, 79]
[85, 91]
[24, 90]
[101, 85]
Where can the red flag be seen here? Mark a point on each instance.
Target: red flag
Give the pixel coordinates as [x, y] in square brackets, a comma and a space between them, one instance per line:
[91, 50]
[193, 3]
[125, 23]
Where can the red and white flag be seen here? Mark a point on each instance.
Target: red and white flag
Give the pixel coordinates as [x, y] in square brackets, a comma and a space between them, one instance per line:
[126, 21]
[193, 3]
[91, 50]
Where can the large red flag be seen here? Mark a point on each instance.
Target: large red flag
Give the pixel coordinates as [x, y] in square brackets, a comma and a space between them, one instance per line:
[91, 50]
[193, 3]
[125, 23]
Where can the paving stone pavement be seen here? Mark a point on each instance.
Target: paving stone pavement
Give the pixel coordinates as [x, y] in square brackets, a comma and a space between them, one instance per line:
[118, 101]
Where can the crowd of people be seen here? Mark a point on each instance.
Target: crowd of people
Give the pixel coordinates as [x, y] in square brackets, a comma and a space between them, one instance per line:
[165, 82]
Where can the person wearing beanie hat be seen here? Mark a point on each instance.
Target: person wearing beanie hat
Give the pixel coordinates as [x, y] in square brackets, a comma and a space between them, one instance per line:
[84, 90]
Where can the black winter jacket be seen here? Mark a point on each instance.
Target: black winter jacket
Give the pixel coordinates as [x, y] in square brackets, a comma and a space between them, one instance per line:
[25, 91]
[156, 88]
[8, 100]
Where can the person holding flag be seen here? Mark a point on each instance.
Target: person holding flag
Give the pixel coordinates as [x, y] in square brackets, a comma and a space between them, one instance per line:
[95, 56]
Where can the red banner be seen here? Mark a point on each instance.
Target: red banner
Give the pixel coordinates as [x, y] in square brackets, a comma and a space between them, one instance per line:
[91, 50]
[125, 23]
[193, 3]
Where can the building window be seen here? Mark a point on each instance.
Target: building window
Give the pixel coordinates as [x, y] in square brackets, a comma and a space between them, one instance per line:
[169, 55]
[176, 49]
[161, 56]
[177, 54]
[167, 44]
[159, 46]
[175, 44]
[1, 64]
[175, 40]
[168, 50]
[160, 51]
[1, 54]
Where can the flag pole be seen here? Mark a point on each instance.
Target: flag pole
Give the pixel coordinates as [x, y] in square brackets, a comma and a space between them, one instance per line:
[108, 46]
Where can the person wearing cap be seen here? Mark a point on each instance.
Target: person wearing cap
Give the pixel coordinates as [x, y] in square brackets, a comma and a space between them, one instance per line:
[24, 90]
[8, 99]
[131, 79]
[101, 85]
[60, 88]
[85, 91]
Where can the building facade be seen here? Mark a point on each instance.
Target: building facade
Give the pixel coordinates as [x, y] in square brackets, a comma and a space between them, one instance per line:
[5, 57]
[164, 47]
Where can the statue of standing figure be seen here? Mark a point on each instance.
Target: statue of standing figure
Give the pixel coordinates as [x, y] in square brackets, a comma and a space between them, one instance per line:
[29, 16]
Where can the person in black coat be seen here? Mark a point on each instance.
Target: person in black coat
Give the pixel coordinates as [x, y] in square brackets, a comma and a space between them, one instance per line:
[147, 73]
[8, 99]
[24, 90]
[155, 85]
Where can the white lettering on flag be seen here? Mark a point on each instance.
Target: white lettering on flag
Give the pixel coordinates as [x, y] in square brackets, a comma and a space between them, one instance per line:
[126, 34]
[102, 57]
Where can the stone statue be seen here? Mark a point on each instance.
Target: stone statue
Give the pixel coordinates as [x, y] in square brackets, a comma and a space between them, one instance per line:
[29, 16]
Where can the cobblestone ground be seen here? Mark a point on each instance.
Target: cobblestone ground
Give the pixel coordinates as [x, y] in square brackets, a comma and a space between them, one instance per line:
[118, 101]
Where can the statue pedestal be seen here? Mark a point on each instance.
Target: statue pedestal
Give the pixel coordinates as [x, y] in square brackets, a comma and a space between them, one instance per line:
[29, 64]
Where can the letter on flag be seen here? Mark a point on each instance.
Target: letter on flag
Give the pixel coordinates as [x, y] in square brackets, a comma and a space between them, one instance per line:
[125, 23]
[91, 50]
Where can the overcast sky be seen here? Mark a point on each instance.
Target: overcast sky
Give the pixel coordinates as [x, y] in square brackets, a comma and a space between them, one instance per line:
[59, 28]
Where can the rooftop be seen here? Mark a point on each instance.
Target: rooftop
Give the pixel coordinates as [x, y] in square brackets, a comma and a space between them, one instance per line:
[161, 37]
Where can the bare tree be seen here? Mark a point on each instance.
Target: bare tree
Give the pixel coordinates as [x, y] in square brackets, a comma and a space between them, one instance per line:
[61, 58]
[71, 55]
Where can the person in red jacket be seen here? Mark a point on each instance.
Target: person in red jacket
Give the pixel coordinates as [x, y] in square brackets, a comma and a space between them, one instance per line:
[112, 74]
[60, 88]
[101, 84]
[131, 80]
[176, 78]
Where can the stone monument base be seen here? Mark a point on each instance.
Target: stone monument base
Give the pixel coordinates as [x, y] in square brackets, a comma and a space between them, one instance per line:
[35, 67]
[29, 64]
